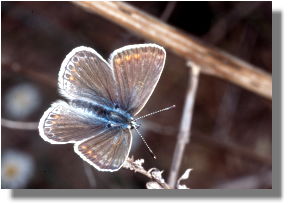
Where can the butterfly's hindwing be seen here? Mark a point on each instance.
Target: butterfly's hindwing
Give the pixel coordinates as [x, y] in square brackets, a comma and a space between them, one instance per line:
[107, 151]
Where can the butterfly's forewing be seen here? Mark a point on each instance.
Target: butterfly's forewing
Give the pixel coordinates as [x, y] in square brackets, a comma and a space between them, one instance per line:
[137, 69]
[85, 75]
[107, 151]
[63, 123]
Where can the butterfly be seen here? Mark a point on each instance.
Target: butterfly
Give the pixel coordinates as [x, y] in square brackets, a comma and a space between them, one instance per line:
[103, 99]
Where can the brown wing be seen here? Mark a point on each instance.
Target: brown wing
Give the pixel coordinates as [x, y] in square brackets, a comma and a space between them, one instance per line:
[107, 151]
[85, 75]
[62, 124]
[137, 69]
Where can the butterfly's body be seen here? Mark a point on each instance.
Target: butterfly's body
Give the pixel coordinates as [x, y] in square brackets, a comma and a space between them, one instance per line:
[102, 100]
[112, 116]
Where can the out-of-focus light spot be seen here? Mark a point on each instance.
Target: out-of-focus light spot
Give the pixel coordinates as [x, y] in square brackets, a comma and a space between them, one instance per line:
[17, 169]
[21, 101]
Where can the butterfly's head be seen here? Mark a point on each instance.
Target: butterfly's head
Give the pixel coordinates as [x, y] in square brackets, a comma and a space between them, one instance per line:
[133, 124]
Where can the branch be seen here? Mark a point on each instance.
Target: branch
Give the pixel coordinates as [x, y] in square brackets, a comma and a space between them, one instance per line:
[19, 125]
[184, 132]
[168, 10]
[212, 61]
[89, 174]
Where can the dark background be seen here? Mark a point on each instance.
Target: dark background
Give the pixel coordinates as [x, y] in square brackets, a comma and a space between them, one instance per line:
[230, 144]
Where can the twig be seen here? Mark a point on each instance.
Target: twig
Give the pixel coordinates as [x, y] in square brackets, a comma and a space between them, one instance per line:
[184, 132]
[229, 102]
[228, 22]
[19, 125]
[160, 129]
[226, 112]
[89, 174]
[168, 10]
[212, 61]
[136, 166]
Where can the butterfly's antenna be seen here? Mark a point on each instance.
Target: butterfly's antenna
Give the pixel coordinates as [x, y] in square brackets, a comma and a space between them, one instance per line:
[150, 151]
[153, 113]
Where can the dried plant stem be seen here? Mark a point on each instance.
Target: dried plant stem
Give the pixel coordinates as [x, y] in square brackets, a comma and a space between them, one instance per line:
[131, 165]
[184, 132]
[19, 125]
[212, 61]
[89, 174]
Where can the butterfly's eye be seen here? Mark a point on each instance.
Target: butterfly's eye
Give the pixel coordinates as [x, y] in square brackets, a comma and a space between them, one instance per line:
[109, 125]
[116, 106]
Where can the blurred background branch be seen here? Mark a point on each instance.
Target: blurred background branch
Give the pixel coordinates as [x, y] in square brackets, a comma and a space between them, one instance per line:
[19, 125]
[30, 73]
[212, 61]
[229, 21]
[89, 172]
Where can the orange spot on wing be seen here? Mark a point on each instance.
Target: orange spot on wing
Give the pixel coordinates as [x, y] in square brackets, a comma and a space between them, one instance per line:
[57, 116]
[117, 60]
[136, 56]
[83, 147]
[127, 58]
